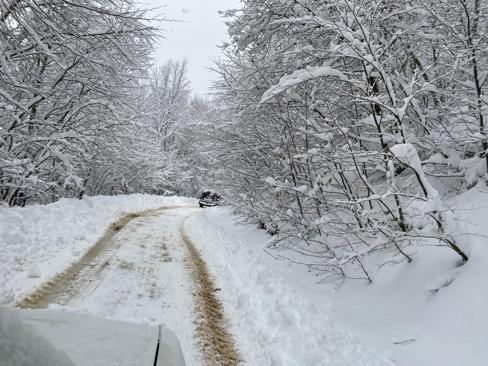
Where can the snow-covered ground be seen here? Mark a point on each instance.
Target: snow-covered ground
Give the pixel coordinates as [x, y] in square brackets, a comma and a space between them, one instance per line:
[39, 241]
[431, 312]
[143, 280]
[139, 275]
[275, 314]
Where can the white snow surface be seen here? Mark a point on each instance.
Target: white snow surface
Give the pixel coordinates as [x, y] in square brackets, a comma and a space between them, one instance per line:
[145, 279]
[275, 322]
[39, 241]
[431, 312]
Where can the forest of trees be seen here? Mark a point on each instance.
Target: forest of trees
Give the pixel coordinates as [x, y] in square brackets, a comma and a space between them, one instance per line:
[345, 124]
[79, 111]
[339, 126]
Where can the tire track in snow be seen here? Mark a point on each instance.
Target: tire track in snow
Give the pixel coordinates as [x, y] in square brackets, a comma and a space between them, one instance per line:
[216, 342]
[82, 281]
[65, 285]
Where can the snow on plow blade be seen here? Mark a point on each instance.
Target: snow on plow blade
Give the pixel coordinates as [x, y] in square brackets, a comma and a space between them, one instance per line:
[93, 341]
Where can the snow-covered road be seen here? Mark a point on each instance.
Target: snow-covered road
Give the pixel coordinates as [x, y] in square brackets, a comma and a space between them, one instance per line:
[202, 273]
[140, 270]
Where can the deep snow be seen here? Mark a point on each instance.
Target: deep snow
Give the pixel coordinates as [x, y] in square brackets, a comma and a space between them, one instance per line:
[39, 241]
[145, 280]
[274, 318]
[431, 312]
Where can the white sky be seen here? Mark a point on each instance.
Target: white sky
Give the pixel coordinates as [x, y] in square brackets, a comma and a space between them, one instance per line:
[196, 38]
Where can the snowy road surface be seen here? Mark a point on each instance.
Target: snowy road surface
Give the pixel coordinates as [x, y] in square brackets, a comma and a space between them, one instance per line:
[199, 272]
[138, 271]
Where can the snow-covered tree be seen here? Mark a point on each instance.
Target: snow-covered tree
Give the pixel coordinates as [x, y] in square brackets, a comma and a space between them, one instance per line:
[325, 107]
[65, 71]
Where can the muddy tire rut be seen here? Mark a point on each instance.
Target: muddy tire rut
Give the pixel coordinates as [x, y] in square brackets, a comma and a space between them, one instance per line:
[80, 274]
[83, 277]
[216, 343]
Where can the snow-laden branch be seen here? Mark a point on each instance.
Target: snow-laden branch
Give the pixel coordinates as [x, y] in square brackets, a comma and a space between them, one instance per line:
[301, 76]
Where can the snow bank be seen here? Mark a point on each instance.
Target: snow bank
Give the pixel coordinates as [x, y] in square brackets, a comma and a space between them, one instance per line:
[432, 311]
[21, 345]
[40, 241]
[273, 320]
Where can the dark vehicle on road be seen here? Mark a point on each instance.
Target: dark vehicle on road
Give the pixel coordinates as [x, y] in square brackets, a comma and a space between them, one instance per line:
[209, 198]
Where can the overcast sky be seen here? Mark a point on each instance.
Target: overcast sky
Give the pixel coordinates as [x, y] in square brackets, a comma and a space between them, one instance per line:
[196, 38]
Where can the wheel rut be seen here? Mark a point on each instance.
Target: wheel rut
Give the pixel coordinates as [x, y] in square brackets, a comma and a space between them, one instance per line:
[80, 284]
[80, 274]
[217, 344]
